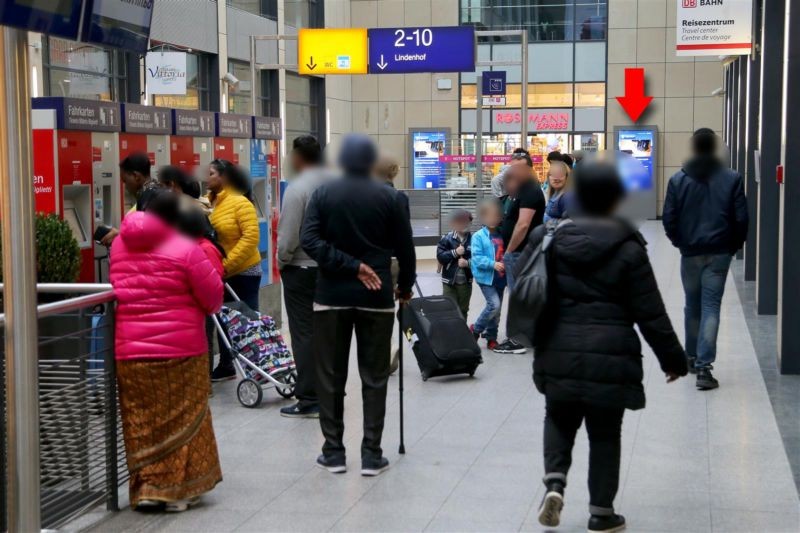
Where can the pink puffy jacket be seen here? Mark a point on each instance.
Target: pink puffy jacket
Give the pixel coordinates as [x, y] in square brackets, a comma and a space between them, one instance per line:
[165, 287]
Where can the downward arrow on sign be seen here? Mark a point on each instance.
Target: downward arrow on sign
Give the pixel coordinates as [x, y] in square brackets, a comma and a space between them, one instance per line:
[311, 65]
[634, 102]
[383, 64]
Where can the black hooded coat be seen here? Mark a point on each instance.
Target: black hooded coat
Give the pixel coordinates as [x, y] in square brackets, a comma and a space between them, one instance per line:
[601, 284]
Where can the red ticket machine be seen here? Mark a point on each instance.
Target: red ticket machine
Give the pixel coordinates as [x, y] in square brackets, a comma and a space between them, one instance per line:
[265, 173]
[145, 129]
[78, 140]
[192, 141]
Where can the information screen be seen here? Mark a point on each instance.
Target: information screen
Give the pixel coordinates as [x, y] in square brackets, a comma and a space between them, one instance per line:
[119, 23]
[637, 148]
[429, 171]
[55, 17]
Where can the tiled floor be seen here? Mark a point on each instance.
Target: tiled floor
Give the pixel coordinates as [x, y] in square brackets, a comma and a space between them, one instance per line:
[691, 461]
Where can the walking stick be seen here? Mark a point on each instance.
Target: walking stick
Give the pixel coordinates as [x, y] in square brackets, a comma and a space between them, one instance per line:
[402, 449]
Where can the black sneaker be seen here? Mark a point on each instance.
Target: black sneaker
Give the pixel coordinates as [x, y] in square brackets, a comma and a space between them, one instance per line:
[475, 334]
[690, 361]
[223, 373]
[606, 523]
[510, 346]
[299, 410]
[334, 464]
[552, 503]
[706, 381]
[373, 467]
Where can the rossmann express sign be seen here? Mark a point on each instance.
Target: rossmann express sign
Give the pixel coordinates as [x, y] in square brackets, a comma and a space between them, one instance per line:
[714, 27]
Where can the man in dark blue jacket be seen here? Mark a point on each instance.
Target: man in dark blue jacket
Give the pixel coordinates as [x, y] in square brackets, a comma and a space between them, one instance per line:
[705, 216]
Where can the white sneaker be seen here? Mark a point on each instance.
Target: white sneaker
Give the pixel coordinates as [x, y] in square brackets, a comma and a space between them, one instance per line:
[180, 506]
[147, 504]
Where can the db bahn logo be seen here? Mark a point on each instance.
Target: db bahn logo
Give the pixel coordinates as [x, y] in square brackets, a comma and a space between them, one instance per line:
[689, 3]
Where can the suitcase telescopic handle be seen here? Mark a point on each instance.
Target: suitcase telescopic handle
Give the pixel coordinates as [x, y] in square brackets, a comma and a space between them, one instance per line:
[419, 291]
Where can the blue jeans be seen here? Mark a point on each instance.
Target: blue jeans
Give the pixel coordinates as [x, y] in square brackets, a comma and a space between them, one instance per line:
[703, 279]
[489, 319]
[509, 260]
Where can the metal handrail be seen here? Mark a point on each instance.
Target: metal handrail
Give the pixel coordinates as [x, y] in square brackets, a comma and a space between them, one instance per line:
[100, 293]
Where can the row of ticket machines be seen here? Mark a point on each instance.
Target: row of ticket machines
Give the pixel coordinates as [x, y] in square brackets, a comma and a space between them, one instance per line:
[78, 145]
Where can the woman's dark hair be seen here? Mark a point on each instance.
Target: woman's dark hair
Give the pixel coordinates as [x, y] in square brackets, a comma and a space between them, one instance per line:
[554, 156]
[136, 162]
[195, 224]
[164, 204]
[522, 156]
[235, 176]
[598, 188]
[171, 175]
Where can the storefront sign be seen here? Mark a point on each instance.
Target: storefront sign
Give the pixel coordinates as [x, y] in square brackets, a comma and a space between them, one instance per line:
[75, 114]
[427, 148]
[332, 51]
[146, 119]
[196, 123]
[714, 27]
[266, 128]
[539, 120]
[470, 159]
[44, 171]
[238, 126]
[434, 49]
[166, 73]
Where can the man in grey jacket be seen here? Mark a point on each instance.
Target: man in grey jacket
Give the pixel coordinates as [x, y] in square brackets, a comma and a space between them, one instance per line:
[299, 271]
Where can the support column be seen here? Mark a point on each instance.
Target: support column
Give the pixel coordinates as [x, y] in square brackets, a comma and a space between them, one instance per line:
[19, 275]
[752, 78]
[789, 237]
[769, 145]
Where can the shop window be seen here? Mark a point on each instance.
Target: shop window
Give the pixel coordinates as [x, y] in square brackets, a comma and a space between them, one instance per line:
[590, 94]
[305, 99]
[197, 86]
[81, 70]
[304, 13]
[239, 97]
[539, 95]
[591, 19]
[264, 8]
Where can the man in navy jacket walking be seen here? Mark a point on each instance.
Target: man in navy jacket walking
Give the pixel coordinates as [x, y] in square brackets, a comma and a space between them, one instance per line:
[705, 216]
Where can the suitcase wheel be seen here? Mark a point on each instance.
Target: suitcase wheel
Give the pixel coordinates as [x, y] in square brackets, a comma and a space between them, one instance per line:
[425, 376]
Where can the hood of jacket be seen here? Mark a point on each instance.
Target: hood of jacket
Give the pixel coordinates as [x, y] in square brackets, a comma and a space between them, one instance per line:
[586, 241]
[142, 231]
[702, 167]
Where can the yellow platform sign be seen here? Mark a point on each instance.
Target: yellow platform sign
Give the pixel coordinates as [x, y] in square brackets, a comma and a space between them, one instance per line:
[332, 51]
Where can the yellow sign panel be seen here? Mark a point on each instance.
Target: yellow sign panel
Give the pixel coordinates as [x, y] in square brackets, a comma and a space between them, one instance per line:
[332, 51]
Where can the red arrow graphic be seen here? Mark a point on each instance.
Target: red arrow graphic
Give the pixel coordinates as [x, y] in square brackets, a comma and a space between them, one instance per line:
[634, 102]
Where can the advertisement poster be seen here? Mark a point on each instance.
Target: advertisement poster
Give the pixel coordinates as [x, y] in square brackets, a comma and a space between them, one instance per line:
[637, 168]
[429, 170]
[166, 73]
[44, 171]
[714, 27]
[258, 158]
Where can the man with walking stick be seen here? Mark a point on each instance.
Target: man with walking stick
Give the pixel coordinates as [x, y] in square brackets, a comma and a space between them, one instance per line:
[352, 228]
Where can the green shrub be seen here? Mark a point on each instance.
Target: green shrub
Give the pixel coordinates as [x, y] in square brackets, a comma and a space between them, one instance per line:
[58, 257]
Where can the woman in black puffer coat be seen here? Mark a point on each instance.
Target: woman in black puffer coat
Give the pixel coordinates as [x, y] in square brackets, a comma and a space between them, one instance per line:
[588, 360]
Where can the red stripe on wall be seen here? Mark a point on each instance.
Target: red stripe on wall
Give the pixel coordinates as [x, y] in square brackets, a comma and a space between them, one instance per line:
[719, 46]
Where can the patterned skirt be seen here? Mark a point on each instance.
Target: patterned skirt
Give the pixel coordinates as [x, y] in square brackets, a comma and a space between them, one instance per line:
[166, 422]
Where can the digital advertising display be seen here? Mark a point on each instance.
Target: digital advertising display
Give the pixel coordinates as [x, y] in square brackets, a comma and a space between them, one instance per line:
[119, 23]
[637, 149]
[428, 171]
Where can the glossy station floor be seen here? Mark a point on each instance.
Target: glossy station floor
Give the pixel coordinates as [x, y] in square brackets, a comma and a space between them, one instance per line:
[692, 461]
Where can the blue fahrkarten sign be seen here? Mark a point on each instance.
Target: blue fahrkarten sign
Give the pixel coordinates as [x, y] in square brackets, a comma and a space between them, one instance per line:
[436, 49]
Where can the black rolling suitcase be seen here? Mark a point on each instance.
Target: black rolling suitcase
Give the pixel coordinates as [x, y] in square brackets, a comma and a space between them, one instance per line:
[441, 340]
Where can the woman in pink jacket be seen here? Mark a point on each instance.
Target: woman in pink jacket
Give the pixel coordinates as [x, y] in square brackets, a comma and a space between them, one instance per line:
[165, 287]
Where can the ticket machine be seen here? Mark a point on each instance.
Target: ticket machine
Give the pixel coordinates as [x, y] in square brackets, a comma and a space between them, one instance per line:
[192, 141]
[145, 129]
[265, 173]
[232, 141]
[78, 139]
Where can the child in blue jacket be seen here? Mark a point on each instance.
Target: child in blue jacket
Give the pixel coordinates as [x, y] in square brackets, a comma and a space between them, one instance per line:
[488, 271]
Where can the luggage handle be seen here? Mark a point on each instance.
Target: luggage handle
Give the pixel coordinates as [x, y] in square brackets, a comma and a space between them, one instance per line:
[419, 291]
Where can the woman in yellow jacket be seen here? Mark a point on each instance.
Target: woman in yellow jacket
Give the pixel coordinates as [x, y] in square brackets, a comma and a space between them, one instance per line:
[235, 221]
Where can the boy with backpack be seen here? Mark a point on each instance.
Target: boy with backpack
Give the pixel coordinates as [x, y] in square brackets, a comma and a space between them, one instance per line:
[489, 271]
[453, 253]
